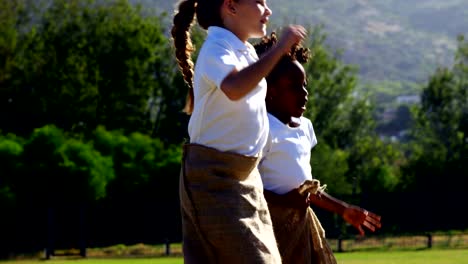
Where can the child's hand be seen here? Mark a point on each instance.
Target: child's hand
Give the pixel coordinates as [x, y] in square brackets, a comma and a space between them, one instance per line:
[291, 35]
[359, 217]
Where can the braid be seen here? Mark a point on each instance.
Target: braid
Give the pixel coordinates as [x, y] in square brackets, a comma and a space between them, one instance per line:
[180, 32]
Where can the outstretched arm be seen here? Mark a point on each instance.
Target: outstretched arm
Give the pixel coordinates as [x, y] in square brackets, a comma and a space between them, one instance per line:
[239, 83]
[354, 215]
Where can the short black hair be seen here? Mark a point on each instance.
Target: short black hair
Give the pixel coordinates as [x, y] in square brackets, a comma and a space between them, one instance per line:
[299, 53]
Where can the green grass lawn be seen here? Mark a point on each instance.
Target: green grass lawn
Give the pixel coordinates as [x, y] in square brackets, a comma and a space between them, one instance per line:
[458, 256]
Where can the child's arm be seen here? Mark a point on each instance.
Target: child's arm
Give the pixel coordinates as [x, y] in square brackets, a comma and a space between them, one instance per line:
[239, 83]
[354, 215]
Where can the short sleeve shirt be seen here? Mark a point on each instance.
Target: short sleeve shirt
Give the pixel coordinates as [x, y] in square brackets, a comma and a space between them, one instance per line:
[239, 126]
[286, 158]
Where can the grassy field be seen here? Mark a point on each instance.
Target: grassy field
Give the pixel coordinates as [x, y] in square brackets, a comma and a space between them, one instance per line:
[458, 256]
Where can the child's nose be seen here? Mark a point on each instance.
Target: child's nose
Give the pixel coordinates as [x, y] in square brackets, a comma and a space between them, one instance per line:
[268, 11]
[304, 90]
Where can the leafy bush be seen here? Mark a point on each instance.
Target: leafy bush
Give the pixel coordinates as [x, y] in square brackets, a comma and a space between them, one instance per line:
[61, 169]
[11, 149]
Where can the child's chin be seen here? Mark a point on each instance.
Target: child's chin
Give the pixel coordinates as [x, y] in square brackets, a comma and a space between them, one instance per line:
[262, 32]
[299, 113]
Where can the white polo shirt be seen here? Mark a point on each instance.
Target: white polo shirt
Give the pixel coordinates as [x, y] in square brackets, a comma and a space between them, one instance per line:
[237, 126]
[286, 158]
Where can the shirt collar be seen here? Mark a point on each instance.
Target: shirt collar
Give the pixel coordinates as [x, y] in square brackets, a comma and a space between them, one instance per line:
[222, 33]
[274, 119]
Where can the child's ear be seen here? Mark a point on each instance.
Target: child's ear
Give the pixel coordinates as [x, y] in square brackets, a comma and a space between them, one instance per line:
[230, 6]
[271, 92]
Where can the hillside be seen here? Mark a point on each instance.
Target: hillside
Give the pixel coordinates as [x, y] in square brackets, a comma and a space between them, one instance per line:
[390, 40]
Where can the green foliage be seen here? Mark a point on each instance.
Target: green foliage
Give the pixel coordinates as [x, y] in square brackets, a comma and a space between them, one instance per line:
[14, 17]
[11, 149]
[61, 169]
[51, 166]
[85, 63]
[373, 164]
[134, 156]
[352, 158]
[87, 171]
[440, 134]
[138, 160]
[330, 167]
[330, 84]
[338, 114]
[91, 63]
[170, 123]
[445, 103]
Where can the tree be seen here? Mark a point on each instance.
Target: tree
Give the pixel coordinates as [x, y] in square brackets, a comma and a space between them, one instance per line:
[441, 133]
[83, 63]
[138, 160]
[15, 16]
[144, 193]
[58, 169]
[330, 84]
[344, 121]
[11, 150]
[170, 122]
[437, 154]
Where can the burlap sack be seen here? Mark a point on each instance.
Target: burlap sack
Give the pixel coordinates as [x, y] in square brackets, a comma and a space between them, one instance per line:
[300, 236]
[225, 217]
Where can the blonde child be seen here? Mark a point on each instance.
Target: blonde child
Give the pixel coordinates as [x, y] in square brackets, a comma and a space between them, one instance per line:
[225, 218]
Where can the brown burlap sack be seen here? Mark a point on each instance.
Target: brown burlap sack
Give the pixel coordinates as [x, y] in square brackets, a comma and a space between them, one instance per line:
[225, 217]
[300, 236]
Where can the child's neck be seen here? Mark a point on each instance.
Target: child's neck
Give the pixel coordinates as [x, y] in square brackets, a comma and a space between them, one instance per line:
[234, 28]
[286, 119]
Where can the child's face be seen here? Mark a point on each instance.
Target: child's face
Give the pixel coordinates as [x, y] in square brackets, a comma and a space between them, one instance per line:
[251, 17]
[290, 95]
